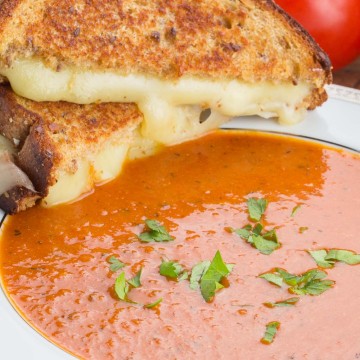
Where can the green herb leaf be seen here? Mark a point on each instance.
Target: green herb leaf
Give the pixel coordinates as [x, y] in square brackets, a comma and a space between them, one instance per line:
[171, 269]
[152, 305]
[310, 275]
[315, 287]
[279, 275]
[183, 276]
[265, 246]
[258, 228]
[308, 283]
[135, 281]
[270, 332]
[230, 267]
[295, 210]
[265, 243]
[312, 283]
[115, 264]
[256, 208]
[156, 232]
[271, 236]
[196, 274]
[290, 279]
[272, 278]
[320, 258]
[244, 232]
[210, 280]
[347, 256]
[288, 302]
[121, 287]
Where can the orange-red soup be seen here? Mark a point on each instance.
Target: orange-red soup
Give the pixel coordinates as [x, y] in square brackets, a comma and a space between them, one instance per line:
[54, 261]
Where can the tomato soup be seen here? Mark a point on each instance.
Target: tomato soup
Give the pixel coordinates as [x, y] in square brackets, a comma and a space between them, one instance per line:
[60, 266]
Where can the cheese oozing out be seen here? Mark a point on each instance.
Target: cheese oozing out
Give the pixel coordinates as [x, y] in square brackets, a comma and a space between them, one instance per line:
[173, 110]
[164, 103]
[103, 166]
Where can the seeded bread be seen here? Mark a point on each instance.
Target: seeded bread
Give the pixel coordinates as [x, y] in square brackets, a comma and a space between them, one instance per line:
[249, 40]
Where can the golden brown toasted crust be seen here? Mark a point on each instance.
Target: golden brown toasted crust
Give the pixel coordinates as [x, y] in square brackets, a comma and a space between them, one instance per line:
[18, 199]
[250, 40]
[54, 136]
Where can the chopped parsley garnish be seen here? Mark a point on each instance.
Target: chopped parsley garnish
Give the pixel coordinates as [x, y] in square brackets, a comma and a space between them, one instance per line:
[153, 304]
[208, 276]
[270, 332]
[256, 208]
[266, 243]
[115, 264]
[173, 270]
[156, 232]
[327, 258]
[313, 287]
[289, 278]
[311, 282]
[346, 256]
[183, 276]
[197, 273]
[135, 281]
[273, 278]
[244, 232]
[121, 287]
[320, 258]
[284, 303]
[295, 210]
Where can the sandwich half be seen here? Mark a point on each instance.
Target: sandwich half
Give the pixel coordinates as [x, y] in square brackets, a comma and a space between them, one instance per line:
[174, 59]
[57, 151]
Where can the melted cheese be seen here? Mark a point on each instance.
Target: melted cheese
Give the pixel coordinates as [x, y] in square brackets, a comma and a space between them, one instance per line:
[102, 167]
[164, 103]
[70, 186]
[108, 163]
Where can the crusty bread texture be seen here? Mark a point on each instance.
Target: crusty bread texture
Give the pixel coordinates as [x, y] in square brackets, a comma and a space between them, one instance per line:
[53, 139]
[249, 40]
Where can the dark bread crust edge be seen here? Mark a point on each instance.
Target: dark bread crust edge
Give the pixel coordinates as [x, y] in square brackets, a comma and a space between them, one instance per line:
[37, 154]
[19, 198]
[36, 158]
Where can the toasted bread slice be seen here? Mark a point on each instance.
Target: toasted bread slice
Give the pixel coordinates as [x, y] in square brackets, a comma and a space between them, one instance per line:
[235, 57]
[63, 148]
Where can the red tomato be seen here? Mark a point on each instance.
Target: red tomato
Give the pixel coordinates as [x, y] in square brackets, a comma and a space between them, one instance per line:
[334, 24]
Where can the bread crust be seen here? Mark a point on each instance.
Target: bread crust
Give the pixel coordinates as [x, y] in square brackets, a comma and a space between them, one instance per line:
[18, 199]
[249, 40]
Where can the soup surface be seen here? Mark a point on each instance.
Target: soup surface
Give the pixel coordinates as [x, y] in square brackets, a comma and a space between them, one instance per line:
[55, 262]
